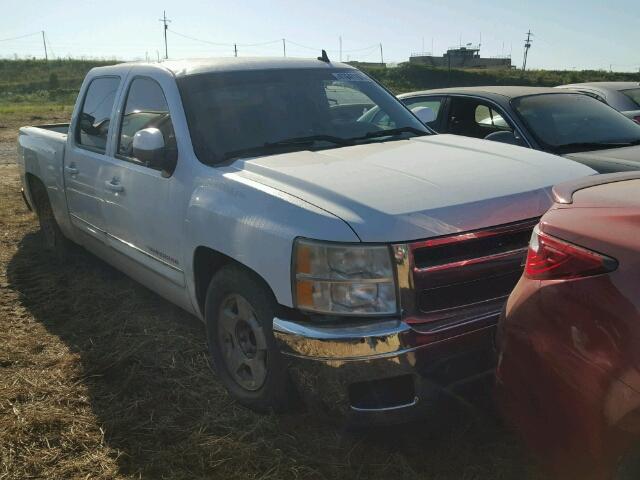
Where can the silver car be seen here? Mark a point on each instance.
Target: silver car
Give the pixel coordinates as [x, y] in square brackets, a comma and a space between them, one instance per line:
[623, 96]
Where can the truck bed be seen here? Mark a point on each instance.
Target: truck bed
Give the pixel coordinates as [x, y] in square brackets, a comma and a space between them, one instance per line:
[41, 154]
[54, 127]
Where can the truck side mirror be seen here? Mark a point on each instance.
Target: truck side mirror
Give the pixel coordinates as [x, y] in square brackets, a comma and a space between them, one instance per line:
[149, 147]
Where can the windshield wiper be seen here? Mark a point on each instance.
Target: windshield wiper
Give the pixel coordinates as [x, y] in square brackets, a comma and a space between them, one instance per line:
[309, 140]
[269, 147]
[392, 132]
[579, 146]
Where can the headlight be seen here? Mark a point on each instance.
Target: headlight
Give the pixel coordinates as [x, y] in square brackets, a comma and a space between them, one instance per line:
[343, 279]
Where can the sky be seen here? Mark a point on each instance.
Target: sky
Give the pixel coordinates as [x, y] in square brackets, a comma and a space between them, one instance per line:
[567, 34]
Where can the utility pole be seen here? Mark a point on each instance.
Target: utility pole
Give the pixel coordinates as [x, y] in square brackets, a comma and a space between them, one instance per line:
[284, 48]
[340, 42]
[527, 46]
[46, 56]
[381, 56]
[235, 49]
[166, 22]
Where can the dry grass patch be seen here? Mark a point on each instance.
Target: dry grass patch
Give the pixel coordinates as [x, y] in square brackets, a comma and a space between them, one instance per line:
[100, 378]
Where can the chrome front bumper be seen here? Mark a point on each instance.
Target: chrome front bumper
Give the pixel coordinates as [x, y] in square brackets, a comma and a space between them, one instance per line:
[385, 371]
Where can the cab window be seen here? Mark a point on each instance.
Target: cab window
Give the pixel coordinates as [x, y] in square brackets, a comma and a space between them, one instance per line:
[92, 129]
[145, 107]
[476, 118]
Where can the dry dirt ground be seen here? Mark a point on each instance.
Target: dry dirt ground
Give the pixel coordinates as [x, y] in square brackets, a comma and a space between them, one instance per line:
[100, 378]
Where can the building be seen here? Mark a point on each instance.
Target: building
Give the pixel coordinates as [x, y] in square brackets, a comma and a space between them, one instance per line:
[357, 64]
[461, 57]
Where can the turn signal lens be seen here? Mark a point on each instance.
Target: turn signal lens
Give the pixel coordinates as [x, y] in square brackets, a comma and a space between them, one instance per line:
[550, 258]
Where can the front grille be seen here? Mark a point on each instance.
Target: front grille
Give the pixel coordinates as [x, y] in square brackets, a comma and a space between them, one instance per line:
[458, 251]
[463, 276]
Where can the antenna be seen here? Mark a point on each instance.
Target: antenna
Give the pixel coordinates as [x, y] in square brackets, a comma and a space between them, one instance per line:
[324, 58]
[165, 21]
[527, 46]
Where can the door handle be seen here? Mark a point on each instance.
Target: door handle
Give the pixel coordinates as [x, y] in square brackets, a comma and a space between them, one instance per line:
[114, 187]
[71, 169]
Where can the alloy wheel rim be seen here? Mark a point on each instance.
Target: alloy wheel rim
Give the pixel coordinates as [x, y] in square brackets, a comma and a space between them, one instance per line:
[242, 342]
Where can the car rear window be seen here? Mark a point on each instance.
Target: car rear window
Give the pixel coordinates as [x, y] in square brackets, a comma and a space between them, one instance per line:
[633, 94]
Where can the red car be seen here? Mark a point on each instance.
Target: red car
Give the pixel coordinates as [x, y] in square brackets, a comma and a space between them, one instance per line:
[568, 373]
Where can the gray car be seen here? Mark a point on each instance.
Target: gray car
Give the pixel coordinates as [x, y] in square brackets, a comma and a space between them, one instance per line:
[623, 96]
[553, 120]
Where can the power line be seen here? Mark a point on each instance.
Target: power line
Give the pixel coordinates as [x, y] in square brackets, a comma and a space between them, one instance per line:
[222, 44]
[199, 39]
[53, 54]
[284, 42]
[19, 37]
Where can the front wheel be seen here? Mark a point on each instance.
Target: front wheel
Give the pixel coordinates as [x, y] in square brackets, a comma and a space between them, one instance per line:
[239, 312]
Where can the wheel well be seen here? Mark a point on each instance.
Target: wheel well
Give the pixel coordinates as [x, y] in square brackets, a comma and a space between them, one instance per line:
[206, 262]
[33, 183]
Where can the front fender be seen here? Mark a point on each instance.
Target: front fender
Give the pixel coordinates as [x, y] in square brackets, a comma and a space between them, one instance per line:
[256, 225]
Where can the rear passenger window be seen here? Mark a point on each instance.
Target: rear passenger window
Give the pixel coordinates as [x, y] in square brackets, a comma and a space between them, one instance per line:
[488, 116]
[146, 107]
[93, 128]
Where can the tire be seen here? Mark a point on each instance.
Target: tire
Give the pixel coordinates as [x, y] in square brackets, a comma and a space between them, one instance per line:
[53, 238]
[239, 312]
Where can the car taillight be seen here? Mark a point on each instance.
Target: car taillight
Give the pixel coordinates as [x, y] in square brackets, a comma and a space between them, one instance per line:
[550, 258]
[636, 119]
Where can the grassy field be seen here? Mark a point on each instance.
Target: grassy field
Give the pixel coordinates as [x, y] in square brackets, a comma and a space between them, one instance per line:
[100, 378]
[57, 81]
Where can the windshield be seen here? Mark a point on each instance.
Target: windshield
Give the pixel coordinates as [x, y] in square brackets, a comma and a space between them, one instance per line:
[232, 114]
[633, 94]
[572, 122]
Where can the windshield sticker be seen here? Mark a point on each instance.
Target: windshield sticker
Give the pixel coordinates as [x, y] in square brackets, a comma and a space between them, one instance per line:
[351, 77]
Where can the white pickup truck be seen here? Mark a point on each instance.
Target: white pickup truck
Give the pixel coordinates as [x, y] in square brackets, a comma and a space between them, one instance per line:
[360, 264]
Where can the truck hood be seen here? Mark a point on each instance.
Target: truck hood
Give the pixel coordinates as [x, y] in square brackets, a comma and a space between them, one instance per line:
[404, 190]
[610, 160]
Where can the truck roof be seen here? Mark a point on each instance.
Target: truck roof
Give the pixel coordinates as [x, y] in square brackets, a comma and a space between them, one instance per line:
[196, 66]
